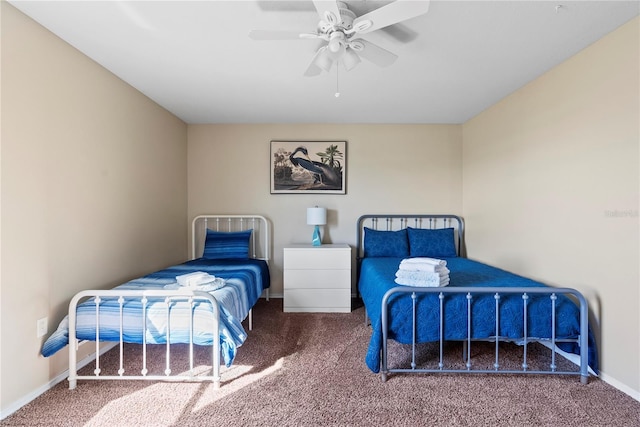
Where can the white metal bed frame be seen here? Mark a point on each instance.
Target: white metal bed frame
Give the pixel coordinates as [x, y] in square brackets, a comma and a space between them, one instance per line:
[395, 222]
[259, 244]
[259, 248]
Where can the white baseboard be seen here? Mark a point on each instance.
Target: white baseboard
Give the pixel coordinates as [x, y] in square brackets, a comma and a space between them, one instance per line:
[281, 295]
[13, 407]
[635, 394]
[276, 296]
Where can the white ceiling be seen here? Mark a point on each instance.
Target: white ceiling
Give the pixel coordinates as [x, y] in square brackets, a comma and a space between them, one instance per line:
[196, 59]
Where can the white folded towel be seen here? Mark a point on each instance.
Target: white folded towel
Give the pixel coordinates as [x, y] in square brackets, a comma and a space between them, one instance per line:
[423, 267]
[422, 264]
[424, 260]
[199, 281]
[422, 283]
[423, 275]
[214, 285]
[427, 268]
[194, 279]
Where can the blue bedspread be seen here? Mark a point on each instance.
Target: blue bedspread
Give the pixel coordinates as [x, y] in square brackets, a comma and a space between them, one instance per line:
[245, 281]
[377, 277]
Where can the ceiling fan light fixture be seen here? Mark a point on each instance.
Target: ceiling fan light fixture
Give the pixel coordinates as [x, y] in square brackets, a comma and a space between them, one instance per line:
[336, 41]
[334, 46]
[323, 59]
[350, 59]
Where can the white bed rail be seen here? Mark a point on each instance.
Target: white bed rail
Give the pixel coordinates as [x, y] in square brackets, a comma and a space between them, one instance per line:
[444, 366]
[169, 296]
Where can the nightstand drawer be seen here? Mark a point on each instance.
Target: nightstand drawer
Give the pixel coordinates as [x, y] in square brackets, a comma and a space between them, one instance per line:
[311, 259]
[317, 279]
[318, 300]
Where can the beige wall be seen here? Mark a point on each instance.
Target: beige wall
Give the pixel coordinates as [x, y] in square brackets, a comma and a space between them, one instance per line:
[551, 184]
[93, 191]
[98, 185]
[390, 168]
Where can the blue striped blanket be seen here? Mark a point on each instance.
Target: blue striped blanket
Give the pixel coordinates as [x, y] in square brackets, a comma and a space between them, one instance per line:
[244, 282]
[377, 277]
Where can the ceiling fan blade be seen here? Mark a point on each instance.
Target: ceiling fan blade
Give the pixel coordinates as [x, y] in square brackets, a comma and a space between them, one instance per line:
[328, 11]
[373, 53]
[390, 14]
[280, 35]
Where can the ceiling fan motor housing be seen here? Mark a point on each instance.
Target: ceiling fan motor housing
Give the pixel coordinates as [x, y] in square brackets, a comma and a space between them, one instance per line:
[333, 23]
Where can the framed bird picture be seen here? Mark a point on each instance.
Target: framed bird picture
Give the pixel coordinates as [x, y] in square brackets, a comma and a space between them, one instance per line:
[304, 167]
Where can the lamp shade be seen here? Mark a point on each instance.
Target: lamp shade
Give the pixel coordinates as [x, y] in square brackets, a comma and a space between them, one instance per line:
[316, 216]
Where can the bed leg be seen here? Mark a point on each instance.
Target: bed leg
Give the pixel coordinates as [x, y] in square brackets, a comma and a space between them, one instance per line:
[584, 379]
[73, 348]
[383, 375]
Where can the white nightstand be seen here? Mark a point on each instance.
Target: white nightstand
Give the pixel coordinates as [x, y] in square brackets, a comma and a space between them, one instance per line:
[317, 278]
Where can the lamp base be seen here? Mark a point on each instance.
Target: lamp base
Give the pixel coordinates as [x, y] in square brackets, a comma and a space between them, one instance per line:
[315, 240]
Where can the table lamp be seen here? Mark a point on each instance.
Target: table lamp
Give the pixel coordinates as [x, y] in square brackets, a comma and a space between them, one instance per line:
[316, 217]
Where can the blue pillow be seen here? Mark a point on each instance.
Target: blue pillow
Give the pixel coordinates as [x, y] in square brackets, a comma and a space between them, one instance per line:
[385, 243]
[227, 245]
[432, 243]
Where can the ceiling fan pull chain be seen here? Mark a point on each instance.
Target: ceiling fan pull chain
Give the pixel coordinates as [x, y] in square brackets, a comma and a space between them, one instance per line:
[337, 94]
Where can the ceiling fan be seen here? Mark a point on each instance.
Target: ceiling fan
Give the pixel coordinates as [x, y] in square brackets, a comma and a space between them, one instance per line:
[343, 30]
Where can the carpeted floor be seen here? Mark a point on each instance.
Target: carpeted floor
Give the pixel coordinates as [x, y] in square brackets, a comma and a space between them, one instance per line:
[307, 369]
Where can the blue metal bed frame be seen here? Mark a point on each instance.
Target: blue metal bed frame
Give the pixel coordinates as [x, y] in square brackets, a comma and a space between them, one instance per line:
[395, 222]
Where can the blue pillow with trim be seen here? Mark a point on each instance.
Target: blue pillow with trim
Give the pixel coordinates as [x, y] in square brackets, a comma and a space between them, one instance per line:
[227, 245]
[379, 243]
[432, 243]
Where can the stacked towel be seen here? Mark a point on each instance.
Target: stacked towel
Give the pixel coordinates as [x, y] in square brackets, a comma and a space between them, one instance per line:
[194, 279]
[423, 264]
[429, 272]
[198, 280]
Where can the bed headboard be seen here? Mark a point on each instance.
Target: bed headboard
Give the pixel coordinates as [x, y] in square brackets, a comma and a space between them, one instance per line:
[259, 244]
[393, 222]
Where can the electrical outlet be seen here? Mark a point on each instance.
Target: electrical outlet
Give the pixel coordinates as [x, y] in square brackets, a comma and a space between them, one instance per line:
[42, 327]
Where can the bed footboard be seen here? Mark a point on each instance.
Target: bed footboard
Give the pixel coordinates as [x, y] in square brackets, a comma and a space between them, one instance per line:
[169, 297]
[445, 366]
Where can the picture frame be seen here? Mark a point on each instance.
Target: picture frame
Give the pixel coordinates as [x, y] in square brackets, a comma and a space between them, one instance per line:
[308, 167]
